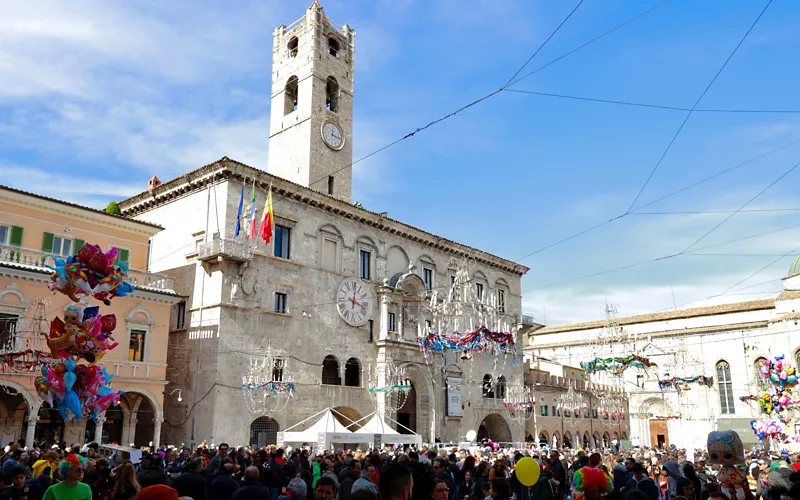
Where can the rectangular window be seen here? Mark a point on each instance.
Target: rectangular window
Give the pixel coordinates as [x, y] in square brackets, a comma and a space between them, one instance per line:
[594, 413]
[330, 184]
[365, 259]
[179, 316]
[277, 370]
[370, 330]
[5, 233]
[280, 303]
[8, 332]
[392, 323]
[479, 290]
[283, 240]
[329, 254]
[427, 277]
[62, 246]
[543, 410]
[136, 347]
[501, 300]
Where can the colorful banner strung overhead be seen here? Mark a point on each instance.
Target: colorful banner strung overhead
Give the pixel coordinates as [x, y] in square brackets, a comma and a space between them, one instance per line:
[617, 364]
[682, 383]
[25, 361]
[480, 341]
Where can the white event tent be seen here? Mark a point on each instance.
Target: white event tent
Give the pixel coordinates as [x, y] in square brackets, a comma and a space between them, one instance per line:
[328, 432]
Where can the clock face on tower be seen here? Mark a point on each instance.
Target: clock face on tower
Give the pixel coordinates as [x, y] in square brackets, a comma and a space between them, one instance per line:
[354, 302]
[332, 135]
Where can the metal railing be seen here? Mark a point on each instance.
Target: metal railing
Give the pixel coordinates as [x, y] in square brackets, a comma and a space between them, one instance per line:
[40, 260]
[233, 249]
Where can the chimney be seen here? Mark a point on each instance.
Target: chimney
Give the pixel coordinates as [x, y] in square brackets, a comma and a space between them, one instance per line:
[152, 184]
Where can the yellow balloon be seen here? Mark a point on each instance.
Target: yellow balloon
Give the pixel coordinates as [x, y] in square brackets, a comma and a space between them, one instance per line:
[527, 471]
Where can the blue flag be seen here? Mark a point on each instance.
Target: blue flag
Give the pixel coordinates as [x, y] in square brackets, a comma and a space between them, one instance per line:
[239, 213]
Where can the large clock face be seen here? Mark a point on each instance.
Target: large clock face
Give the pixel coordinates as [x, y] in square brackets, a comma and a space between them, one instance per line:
[332, 135]
[354, 302]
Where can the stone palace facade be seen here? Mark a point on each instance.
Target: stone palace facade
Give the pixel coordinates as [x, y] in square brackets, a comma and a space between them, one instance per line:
[247, 301]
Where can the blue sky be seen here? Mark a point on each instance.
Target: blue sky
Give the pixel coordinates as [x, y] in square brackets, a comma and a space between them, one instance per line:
[97, 97]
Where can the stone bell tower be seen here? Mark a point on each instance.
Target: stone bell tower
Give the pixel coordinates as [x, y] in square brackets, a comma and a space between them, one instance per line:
[311, 117]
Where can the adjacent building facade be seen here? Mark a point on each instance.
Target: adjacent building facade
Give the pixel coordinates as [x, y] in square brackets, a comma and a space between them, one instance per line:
[551, 426]
[33, 229]
[289, 301]
[724, 343]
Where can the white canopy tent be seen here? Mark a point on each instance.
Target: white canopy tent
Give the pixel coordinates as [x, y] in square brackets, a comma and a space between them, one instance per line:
[384, 434]
[325, 432]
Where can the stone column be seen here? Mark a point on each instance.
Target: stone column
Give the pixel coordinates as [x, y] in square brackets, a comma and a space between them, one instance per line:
[32, 420]
[130, 432]
[98, 430]
[384, 333]
[157, 432]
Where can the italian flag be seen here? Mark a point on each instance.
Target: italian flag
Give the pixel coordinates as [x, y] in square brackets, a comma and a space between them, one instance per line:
[267, 219]
[253, 211]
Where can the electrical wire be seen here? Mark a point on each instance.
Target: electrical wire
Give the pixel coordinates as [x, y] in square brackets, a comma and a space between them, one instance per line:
[729, 217]
[491, 94]
[654, 106]
[697, 102]
[544, 43]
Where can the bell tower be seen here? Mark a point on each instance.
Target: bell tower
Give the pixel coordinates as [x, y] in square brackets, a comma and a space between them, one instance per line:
[311, 115]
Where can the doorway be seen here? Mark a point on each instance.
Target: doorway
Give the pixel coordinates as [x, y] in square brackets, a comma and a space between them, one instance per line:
[659, 433]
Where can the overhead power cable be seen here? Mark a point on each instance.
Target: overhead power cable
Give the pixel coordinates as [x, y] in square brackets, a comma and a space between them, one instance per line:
[544, 43]
[491, 94]
[678, 191]
[696, 103]
[655, 106]
[726, 219]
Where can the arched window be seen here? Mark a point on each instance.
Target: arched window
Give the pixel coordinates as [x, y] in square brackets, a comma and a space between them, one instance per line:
[330, 371]
[290, 95]
[725, 387]
[333, 46]
[487, 386]
[332, 94]
[500, 389]
[292, 46]
[352, 373]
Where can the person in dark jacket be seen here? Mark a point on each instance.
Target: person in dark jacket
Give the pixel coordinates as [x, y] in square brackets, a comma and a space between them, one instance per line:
[346, 484]
[38, 485]
[224, 486]
[252, 489]
[192, 483]
[691, 474]
[559, 474]
[441, 470]
[422, 476]
[152, 474]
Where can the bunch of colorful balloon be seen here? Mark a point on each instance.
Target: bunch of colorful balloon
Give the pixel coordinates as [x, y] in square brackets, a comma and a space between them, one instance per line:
[76, 390]
[779, 371]
[91, 272]
[83, 333]
[82, 390]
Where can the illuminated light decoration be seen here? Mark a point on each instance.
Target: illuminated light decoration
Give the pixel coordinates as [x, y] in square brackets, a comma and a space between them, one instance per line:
[617, 364]
[467, 319]
[519, 403]
[682, 383]
[267, 387]
[396, 387]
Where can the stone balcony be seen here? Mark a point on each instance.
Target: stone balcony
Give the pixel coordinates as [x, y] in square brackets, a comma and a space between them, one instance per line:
[40, 260]
[236, 250]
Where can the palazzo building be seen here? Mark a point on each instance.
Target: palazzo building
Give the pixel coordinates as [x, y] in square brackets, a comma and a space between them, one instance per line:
[724, 343]
[286, 302]
[33, 230]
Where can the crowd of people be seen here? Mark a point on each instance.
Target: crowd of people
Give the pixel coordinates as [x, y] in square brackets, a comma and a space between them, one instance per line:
[478, 473]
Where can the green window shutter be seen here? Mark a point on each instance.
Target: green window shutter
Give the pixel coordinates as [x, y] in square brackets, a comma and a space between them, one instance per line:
[47, 243]
[76, 245]
[16, 236]
[123, 255]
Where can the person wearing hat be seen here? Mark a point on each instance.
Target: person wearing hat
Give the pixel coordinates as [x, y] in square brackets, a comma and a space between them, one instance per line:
[157, 492]
[70, 471]
[296, 490]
